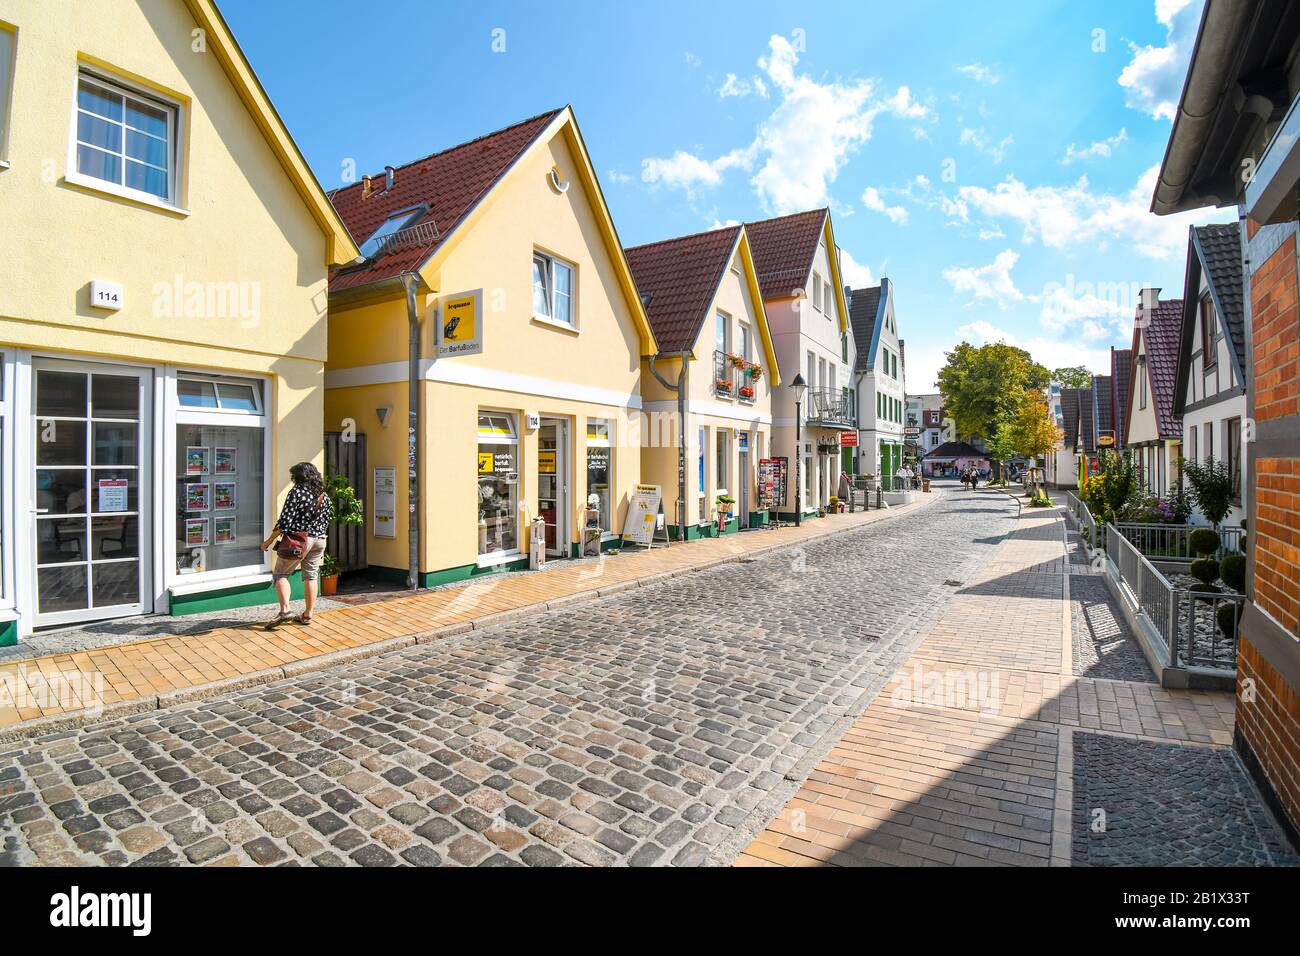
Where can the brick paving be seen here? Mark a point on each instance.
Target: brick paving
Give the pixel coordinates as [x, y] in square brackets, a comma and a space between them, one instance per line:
[982, 750]
[646, 728]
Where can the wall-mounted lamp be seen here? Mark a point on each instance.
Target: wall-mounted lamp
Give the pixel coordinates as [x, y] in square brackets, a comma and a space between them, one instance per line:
[382, 414]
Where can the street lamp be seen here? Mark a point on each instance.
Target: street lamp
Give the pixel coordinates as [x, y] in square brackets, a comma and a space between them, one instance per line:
[798, 387]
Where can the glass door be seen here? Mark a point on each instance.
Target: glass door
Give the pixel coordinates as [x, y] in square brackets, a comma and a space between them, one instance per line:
[91, 491]
[552, 484]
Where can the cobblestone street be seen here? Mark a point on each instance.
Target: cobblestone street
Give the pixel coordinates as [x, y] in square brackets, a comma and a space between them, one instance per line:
[781, 709]
[645, 728]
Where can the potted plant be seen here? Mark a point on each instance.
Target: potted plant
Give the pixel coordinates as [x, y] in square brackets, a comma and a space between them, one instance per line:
[722, 385]
[348, 509]
[736, 361]
[756, 372]
[746, 391]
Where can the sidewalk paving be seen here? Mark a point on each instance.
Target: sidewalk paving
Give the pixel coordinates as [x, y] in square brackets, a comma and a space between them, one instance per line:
[968, 756]
[46, 694]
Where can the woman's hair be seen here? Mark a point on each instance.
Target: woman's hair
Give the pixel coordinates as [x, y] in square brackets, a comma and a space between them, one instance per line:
[306, 475]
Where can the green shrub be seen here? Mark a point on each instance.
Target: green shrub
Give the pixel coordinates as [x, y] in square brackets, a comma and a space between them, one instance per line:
[1205, 570]
[1228, 615]
[1211, 483]
[1232, 569]
[1204, 540]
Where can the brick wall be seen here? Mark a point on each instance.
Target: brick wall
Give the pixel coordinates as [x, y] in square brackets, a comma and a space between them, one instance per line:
[1268, 719]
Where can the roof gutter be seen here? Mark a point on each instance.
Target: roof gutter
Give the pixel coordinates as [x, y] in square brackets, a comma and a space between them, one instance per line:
[1212, 58]
[680, 389]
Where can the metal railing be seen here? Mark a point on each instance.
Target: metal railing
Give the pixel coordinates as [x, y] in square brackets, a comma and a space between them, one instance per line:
[829, 406]
[1208, 633]
[739, 382]
[421, 234]
[1094, 536]
[1172, 542]
[1187, 621]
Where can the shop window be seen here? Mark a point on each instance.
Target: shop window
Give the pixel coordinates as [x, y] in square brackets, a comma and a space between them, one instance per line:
[722, 473]
[221, 482]
[600, 469]
[498, 484]
[553, 289]
[704, 507]
[125, 138]
[4, 421]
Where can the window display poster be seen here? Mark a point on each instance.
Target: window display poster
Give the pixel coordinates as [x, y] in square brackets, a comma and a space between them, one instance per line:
[196, 532]
[224, 460]
[223, 496]
[112, 494]
[197, 496]
[223, 530]
[196, 459]
[385, 502]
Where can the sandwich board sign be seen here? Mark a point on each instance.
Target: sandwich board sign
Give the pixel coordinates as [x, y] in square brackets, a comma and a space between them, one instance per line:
[460, 324]
[643, 514]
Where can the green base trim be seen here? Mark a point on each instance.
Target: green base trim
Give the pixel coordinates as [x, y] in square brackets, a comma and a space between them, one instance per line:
[575, 549]
[8, 633]
[225, 599]
[789, 515]
[430, 579]
[759, 519]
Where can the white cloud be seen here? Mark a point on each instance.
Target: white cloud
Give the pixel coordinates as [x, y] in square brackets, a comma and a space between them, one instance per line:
[980, 73]
[692, 60]
[734, 86]
[688, 172]
[854, 274]
[805, 141]
[1153, 78]
[922, 366]
[617, 176]
[981, 141]
[994, 233]
[990, 282]
[1053, 353]
[1081, 311]
[1102, 148]
[872, 199]
[1062, 216]
[812, 132]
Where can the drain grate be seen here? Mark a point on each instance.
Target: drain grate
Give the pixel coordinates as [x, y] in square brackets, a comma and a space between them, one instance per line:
[952, 584]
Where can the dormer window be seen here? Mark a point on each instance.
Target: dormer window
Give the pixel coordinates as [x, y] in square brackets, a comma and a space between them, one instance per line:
[393, 224]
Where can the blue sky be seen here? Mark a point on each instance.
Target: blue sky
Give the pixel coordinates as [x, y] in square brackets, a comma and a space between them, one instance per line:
[995, 161]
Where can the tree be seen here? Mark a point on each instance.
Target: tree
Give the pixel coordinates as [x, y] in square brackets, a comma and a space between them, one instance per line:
[1211, 488]
[1001, 447]
[1034, 432]
[985, 385]
[1072, 376]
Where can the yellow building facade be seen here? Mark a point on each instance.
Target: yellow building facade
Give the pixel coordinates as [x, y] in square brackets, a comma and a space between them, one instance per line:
[162, 313]
[706, 309]
[530, 338]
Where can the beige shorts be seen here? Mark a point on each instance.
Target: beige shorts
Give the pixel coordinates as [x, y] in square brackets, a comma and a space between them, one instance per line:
[309, 563]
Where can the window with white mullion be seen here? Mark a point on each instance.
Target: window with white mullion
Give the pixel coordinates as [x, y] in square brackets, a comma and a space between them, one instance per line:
[553, 289]
[123, 138]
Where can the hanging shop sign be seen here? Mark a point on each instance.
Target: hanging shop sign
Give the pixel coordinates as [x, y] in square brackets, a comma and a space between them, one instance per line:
[849, 439]
[460, 324]
[384, 511]
[1106, 440]
[912, 431]
[643, 514]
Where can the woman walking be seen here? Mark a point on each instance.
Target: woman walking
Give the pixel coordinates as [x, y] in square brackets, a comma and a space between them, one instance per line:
[299, 540]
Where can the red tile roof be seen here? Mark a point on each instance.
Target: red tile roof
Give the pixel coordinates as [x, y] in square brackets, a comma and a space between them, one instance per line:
[677, 280]
[1163, 328]
[450, 183]
[783, 250]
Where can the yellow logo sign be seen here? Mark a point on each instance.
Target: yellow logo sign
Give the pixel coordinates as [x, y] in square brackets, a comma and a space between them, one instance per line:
[545, 462]
[485, 459]
[460, 331]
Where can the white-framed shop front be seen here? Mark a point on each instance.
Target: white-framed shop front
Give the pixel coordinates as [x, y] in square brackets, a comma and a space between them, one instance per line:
[95, 462]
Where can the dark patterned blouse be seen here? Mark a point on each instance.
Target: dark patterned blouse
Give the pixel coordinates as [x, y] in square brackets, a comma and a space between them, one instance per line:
[301, 514]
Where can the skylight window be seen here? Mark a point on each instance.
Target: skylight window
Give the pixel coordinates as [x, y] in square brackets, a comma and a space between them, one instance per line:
[393, 224]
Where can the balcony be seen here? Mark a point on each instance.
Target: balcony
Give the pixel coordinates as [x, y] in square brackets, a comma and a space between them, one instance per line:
[829, 407]
[730, 381]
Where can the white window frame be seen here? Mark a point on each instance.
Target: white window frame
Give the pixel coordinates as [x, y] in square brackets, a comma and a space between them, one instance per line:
[723, 326]
[549, 261]
[8, 74]
[747, 341]
[8, 479]
[408, 217]
[721, 456]
[175, 146]
[175, 414]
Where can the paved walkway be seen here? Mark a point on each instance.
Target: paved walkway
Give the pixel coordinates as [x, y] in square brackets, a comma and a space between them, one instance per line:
[1026, 730]
[135, 674]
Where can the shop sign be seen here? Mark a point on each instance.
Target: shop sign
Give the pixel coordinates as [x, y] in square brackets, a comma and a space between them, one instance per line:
[849, 439]
[545, 461]
[460, 324]
[112, 494]
[643, 514]
[384, 524]
[912, 430]
[1106, 440]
